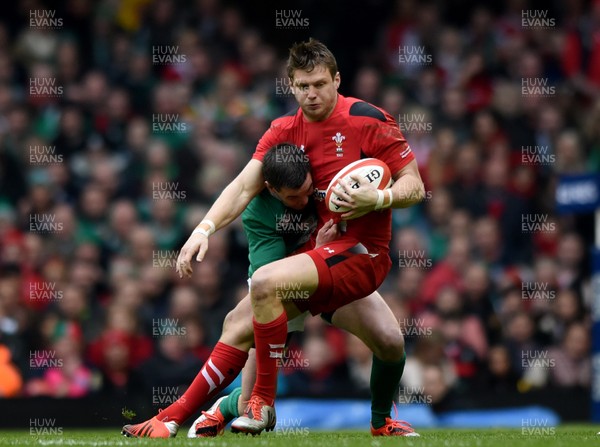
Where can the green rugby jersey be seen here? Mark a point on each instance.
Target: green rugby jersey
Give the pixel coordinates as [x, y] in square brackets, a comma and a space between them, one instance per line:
[273, 230]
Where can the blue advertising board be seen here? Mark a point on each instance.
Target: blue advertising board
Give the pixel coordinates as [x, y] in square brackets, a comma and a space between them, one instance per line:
[578, 194]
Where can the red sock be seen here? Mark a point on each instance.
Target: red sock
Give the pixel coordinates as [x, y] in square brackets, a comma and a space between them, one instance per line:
[223, 365]
[269, 339]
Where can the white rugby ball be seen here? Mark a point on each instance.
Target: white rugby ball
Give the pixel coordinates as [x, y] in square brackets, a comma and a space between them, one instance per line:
[373, 170]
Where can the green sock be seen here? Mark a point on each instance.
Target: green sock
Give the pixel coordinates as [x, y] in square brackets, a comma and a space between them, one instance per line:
[229, 405]
[385, 377]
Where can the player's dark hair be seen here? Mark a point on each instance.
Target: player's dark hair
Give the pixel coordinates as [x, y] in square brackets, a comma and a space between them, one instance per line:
[307, 55]
[285, 166]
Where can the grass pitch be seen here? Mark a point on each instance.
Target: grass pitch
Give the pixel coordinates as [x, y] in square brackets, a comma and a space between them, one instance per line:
[567, 436]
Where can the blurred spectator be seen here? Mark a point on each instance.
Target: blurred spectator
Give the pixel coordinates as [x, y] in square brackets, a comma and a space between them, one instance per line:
[448, 271]
[436, 389]
[172, 364]
[480, 299]
[360, 360]
[119, 350]
[428, 351]
[439, 209]
[458, 328]
[69, 377]
[498, 376]
[572, 365]
[525, 350]
[322, 370]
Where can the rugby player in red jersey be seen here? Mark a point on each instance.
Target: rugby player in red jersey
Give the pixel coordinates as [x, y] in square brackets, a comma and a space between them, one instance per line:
[335, 131]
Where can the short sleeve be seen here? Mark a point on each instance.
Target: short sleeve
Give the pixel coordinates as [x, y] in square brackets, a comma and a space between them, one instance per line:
[384, 140]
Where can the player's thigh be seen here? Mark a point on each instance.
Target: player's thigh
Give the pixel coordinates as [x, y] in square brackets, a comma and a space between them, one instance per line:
[237, 326]
[371, 320]
[287, 279]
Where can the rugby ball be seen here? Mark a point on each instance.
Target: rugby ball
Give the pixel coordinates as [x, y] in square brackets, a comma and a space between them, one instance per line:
[372, 169]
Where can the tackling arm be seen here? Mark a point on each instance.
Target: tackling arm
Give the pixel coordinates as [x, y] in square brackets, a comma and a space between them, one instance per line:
[228, 206]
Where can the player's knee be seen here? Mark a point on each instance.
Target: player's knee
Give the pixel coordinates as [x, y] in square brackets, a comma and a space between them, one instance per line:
[262, 287]
[390, 345]
[229, 321]
[236, 330]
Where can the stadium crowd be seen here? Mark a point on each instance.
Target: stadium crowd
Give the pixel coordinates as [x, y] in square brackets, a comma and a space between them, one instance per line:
[122, 121]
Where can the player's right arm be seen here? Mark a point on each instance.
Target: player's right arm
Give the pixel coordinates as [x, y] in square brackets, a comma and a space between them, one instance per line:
[228, 206]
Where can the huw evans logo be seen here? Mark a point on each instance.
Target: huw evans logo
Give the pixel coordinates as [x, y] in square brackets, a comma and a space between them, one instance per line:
[290, 19]
[537, 427]
[414, 55]
[291, 223]
[537, 223]
[537, 155]
[286, 291]
[414, 327]
[165, 258]
[413, 123]
[283, 87]
[414, 258]
[44, 223]
[40, 154]
[163, 327]
[44, 87]
[167, 55]
[166, 395]
[44, 19]
[44, 291]
[290, 426]
[537, 291]
[413, 395]
[288, 154]
[168, 191]
[168, 123]
[44, 426]
[537, 359]
[292, 359]
[537, 87]
[45, 358]
[536, 18]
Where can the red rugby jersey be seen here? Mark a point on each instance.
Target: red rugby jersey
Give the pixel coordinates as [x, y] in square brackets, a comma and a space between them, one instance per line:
[355, 130]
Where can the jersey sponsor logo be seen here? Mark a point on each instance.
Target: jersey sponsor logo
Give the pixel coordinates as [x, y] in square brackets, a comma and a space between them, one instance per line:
[319, 194]
[329, 250]
[338, 138]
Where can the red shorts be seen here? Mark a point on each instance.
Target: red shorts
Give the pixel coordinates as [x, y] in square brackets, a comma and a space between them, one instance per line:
[347, 272]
